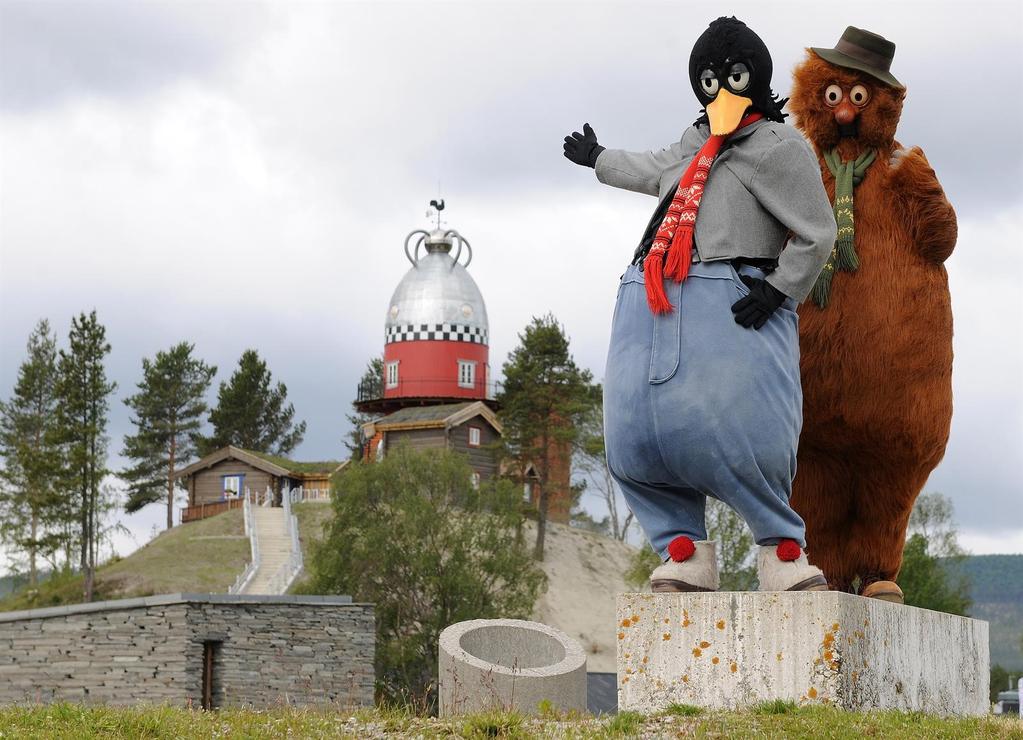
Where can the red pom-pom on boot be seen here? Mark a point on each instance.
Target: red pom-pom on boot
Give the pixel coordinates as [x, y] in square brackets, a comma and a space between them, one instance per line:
[681, 549]
[789, 550]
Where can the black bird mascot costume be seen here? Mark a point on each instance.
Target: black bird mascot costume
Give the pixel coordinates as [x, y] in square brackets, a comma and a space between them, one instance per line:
[702, 392]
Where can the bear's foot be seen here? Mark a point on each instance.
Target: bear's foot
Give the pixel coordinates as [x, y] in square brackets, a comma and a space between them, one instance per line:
[883, 590]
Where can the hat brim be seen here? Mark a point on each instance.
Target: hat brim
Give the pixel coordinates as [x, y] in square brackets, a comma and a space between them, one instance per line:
[844, 60]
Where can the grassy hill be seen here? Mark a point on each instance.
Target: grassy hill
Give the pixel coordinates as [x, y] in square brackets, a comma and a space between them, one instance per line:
[996, 586]
[205, 556]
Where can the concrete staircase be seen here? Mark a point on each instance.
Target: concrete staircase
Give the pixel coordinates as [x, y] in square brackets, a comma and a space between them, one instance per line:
[274, 547]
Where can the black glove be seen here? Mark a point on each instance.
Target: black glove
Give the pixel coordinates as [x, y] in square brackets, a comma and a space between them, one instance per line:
[583, 148]
[756, 308]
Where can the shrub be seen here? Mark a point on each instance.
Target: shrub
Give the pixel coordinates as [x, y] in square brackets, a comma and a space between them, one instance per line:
[411, 535]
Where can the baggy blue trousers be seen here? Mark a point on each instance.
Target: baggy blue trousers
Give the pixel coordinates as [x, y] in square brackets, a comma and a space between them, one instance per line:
[696, 405]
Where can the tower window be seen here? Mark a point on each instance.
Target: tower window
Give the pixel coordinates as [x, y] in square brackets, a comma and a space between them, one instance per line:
[466, 374]
[392, 374]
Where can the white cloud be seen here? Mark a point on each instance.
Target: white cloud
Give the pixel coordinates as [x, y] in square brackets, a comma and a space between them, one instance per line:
[984, 543]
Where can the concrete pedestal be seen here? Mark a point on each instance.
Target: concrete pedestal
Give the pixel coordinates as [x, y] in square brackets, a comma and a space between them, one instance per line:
[730, 650]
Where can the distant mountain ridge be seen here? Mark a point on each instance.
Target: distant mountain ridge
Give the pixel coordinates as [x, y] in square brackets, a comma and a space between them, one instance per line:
[996, 587]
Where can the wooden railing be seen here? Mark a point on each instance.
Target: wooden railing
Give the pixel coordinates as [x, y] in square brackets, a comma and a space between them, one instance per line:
[201, 511]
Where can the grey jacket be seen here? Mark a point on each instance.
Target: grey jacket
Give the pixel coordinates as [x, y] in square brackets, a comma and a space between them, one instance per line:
[764, 184]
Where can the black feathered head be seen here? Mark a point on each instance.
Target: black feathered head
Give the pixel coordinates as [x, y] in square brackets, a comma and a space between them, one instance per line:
[730, 64]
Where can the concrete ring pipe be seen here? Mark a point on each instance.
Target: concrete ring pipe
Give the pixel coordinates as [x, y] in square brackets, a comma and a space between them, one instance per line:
[509, 664]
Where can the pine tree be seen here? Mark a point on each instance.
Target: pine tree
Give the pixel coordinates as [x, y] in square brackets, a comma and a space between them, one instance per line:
[83, 392]
[167, 413]
[251, 412]
[544, 403]
[29, 501]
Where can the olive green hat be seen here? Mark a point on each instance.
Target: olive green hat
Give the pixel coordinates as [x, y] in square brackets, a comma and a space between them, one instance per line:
[865, 51]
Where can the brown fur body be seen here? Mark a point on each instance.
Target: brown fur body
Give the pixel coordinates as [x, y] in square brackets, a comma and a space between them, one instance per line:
[877, 362]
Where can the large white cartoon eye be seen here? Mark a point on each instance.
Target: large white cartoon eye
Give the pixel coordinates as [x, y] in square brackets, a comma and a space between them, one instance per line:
[859, 95]
[738, 77]
[833, 95]
[709, 83]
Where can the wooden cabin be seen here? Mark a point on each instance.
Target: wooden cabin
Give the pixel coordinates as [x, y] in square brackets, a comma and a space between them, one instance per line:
[470, 428]
[218, 481]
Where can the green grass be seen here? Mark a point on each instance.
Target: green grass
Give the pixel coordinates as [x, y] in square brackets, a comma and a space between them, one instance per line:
[73, 721]
[204, 556]
[494, 724]
[778, 706]
[623, 724]
[683, 710]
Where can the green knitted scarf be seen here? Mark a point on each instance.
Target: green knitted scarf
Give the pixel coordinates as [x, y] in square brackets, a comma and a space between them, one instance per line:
[843, 256]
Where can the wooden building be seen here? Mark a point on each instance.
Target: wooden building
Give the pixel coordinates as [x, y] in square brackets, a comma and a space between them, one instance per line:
[218, 481]
[470, 428]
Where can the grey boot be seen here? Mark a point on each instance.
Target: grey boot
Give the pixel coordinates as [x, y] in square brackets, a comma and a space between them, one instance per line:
[699, 572]
[796, 574]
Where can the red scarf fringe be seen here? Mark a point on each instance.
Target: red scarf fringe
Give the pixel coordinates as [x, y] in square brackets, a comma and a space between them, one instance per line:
[653, 269]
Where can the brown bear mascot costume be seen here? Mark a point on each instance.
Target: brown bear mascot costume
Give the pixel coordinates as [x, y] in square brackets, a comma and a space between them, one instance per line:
[876, 336]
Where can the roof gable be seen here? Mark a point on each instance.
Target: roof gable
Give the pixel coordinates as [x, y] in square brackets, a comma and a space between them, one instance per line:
[325, 467]
[444, 416]
[272, 464]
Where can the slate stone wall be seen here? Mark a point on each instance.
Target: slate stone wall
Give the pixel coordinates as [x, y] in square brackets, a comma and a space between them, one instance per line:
[267, 650]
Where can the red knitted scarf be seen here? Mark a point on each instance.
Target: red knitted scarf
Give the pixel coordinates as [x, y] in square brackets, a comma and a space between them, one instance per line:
[674, 238]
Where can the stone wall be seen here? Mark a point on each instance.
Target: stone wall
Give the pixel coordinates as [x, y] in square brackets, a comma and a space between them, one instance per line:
[266, 650]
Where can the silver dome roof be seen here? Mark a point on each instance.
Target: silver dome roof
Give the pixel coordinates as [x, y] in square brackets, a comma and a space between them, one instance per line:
[437, 298]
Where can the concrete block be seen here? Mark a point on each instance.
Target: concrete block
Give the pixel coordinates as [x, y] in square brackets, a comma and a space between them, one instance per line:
[733, 649]
[509, 664]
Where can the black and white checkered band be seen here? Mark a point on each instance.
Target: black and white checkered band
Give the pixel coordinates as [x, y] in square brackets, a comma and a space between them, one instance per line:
[441, 332]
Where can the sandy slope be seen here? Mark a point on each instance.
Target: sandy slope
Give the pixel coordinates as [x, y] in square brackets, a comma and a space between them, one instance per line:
[584, 572]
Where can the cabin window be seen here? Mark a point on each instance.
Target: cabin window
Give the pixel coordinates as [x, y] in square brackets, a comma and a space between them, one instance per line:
[527, 491]
[474, 436]
[474, 479]
[232, 486]
[466, 374]
[392, 374]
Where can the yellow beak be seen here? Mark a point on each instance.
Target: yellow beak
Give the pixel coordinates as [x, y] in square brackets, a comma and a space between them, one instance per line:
[725, 112]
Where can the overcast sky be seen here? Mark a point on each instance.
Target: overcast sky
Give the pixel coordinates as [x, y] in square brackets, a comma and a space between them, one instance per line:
[243, 175]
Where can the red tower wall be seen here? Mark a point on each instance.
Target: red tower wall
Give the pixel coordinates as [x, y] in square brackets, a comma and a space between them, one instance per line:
[429, 368]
